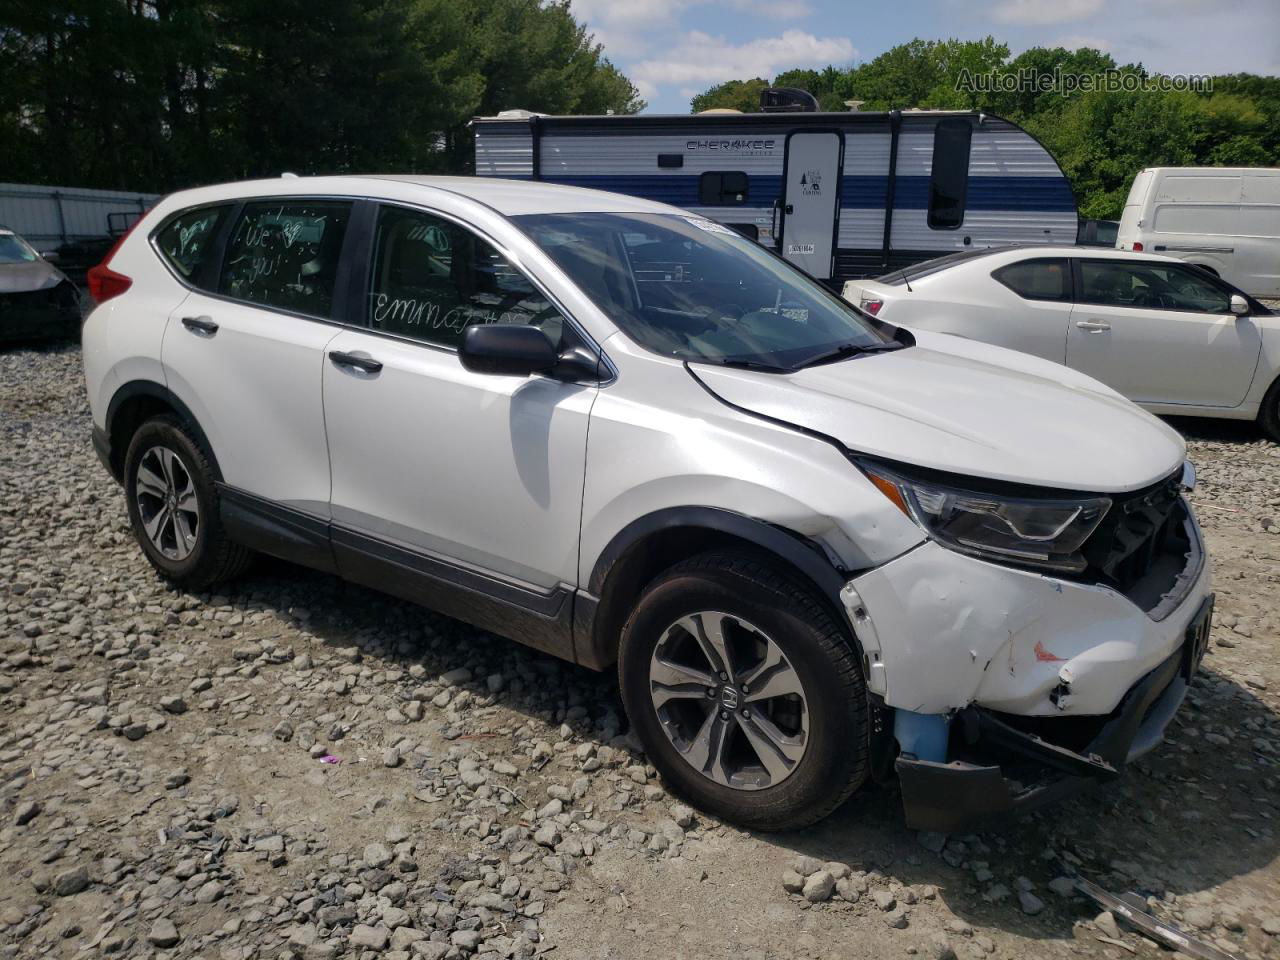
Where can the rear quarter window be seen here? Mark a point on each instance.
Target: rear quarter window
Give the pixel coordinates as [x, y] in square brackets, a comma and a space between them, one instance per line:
[1044, 279]
[186, 242]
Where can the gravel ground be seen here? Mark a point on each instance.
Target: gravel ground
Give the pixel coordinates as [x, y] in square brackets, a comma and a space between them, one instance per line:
[164, 789]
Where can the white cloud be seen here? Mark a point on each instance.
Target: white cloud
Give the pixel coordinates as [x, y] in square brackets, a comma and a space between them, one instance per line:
[1044, 12]
[652, 12]
[620, 44]
[699, 60]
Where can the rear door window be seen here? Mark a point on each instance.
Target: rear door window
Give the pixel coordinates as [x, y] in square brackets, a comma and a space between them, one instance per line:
[187, 241]
[284, 254]
[1046, 279]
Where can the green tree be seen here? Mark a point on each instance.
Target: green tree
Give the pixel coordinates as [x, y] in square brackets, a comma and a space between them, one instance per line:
[162, 94]
[741, 95]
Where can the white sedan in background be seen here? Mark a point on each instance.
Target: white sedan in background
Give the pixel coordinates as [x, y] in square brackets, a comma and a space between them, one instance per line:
[1160, 331]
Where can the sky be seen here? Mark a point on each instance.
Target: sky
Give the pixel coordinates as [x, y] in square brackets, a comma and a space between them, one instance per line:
[673, 49]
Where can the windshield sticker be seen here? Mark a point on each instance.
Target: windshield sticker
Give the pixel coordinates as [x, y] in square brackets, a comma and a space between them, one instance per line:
[710, 226]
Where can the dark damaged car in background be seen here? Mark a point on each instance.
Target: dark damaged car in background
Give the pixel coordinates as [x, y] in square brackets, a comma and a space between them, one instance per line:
[37, 301]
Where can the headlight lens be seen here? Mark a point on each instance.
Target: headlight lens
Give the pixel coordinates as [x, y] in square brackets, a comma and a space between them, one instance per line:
[1038, 532]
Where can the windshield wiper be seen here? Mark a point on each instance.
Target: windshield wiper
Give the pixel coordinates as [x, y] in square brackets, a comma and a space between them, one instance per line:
[741, 364]
[849, 350]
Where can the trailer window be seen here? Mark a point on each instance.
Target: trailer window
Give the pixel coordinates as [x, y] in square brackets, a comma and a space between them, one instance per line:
[722, 188]
[949, 177]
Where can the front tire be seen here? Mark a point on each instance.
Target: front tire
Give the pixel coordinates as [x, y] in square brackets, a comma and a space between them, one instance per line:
[745, 692]
[173, 507]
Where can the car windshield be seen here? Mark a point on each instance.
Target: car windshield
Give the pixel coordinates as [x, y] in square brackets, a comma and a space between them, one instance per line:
[13, 249]
[693, 289]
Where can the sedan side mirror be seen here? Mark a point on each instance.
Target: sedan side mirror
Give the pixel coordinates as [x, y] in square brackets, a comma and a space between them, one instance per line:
[50, 255]
[1239, 305]
[507, 349]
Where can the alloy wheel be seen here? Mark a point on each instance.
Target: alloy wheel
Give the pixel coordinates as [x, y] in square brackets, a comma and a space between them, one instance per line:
[167, 504]
[729, 700]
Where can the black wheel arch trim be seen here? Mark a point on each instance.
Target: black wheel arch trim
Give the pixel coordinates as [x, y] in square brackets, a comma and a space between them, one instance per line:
[596, 649]
[158, 391]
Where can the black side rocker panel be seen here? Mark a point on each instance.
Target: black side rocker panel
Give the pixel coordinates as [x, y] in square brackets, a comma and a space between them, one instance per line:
[540, 619]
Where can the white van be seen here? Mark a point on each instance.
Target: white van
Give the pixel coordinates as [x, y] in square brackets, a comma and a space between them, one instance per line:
[1224, 219]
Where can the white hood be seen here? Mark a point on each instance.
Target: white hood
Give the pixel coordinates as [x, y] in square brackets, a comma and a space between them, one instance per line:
[967, 408]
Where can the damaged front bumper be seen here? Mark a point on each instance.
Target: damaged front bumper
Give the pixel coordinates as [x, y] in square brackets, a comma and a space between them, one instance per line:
[1003, 764]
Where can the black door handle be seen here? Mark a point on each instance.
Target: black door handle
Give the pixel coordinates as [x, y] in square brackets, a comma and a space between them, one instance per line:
[367, 364]
[204, 325]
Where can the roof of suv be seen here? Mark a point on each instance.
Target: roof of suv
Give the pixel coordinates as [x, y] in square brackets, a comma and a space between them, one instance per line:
[507, 197]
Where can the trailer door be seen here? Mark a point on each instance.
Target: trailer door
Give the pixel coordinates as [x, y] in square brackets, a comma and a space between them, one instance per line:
[811, 200]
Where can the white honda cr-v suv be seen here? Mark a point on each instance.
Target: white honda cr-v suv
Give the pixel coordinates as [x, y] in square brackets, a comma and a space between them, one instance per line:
[818, 548]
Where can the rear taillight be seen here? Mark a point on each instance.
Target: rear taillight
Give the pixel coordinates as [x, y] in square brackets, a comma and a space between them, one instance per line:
[871, 306]
[105, 283]
[1137, 246]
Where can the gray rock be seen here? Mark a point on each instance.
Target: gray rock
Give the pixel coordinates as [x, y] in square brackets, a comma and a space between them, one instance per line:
[884, 899]
[163, 933]
[365, 937]
[70, 882]
[404, 937]
[26, 812]
[896, 919]
[1201, 918]
[1271, 926]
[466, 940]
[391, 757]
[1106, 923]
[806, 865]
[376, 856]
[792, 882]
[932, 841]
[682, 815]
[1030, 903]
[547, 835]
[210, 892]
[850, 889]
[1063, 886]
[173, 704]
[819, 886]
[430, 949]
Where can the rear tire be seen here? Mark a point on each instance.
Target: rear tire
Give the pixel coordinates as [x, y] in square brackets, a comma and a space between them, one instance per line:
[779, 738]
[173, 507]
[1269, 415]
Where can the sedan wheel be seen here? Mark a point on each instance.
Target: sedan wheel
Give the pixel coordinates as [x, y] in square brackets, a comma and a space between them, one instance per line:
[729, 701]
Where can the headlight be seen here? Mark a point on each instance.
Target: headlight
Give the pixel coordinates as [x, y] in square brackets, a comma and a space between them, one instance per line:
[1039, 532]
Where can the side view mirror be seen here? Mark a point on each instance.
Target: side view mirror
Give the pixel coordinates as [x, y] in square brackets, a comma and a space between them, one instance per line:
[1239, 305]
[50, 255]
[507, 349]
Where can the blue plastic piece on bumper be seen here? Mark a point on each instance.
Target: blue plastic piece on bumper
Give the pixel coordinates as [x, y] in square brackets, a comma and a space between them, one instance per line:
[922, 735]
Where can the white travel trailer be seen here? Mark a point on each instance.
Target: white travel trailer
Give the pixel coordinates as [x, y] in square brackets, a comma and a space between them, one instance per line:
[1224, 219]
[840, 195]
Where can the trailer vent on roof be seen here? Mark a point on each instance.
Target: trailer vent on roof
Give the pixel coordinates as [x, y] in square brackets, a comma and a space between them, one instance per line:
[787, 100]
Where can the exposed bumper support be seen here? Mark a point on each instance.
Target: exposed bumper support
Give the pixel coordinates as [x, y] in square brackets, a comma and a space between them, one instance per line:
[956, 796]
